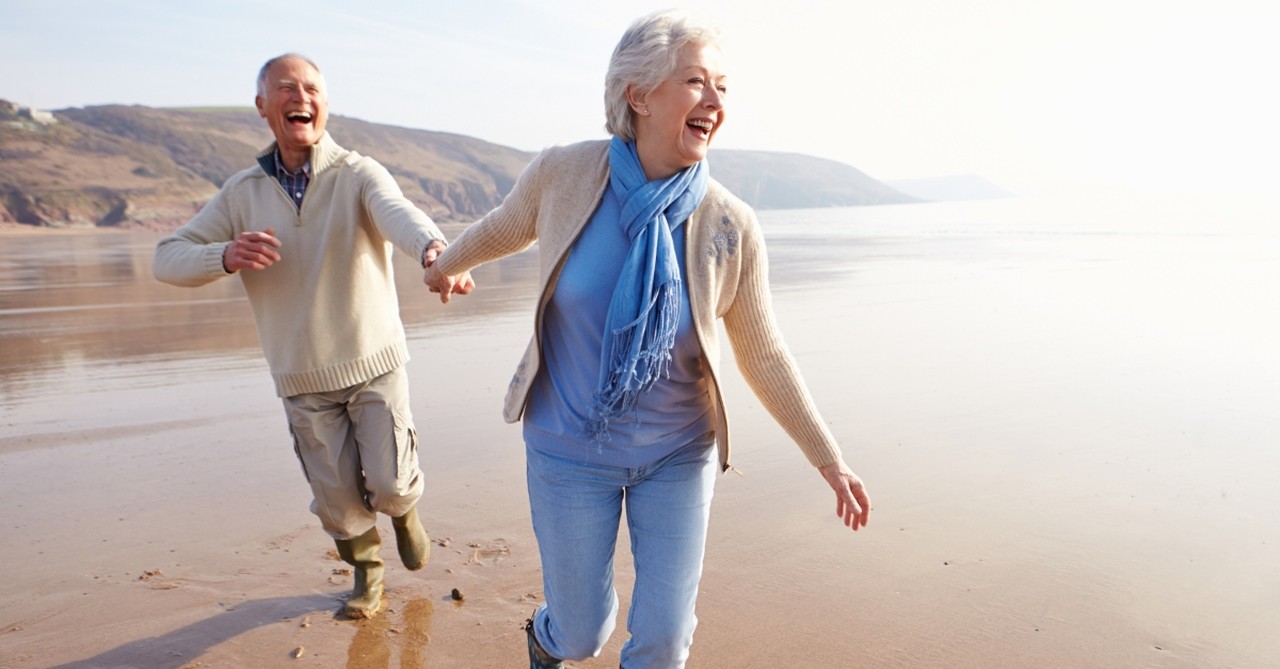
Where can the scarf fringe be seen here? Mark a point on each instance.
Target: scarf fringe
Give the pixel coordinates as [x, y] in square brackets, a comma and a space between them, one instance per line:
[635, 369]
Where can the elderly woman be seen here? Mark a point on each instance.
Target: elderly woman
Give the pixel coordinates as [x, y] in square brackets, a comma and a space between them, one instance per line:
[620, 389]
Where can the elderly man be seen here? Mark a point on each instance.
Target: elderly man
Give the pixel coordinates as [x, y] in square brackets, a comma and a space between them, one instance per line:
[310, 229]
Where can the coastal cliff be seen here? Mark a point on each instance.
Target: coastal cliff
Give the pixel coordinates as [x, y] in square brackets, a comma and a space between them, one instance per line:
[118, 166]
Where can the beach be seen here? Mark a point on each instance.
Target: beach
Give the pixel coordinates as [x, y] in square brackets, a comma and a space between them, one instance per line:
[1067, 421]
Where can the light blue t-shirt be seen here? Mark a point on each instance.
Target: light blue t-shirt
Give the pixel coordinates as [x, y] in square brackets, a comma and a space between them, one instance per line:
[675, 412]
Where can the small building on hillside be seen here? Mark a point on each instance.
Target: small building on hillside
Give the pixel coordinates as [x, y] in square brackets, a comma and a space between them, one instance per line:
[36, 115]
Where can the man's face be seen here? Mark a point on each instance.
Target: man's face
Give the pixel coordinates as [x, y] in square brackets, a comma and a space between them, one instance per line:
[295, 104]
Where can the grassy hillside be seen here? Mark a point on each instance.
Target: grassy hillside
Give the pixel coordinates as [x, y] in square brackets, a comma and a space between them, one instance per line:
[133, 166]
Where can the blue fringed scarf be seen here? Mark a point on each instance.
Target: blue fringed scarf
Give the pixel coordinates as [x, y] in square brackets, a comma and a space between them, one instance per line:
[640, 328]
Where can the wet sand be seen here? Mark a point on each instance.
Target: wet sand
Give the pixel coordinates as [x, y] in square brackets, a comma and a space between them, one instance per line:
[1070, 441]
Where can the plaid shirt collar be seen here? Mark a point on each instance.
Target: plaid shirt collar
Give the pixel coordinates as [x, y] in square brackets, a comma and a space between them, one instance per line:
[294, 183]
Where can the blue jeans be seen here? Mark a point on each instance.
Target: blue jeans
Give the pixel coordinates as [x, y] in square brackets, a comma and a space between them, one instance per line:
[576, 508]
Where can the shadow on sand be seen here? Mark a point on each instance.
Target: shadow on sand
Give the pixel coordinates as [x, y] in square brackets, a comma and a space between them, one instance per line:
[181, 646]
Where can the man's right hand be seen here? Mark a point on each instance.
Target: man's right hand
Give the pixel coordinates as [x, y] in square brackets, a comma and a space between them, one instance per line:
[251, 250]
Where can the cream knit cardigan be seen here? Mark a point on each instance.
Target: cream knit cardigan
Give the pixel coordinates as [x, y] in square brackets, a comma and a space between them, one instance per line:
[327, 312]
[727, 273]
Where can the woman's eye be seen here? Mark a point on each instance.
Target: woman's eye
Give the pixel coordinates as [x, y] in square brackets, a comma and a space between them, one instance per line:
[696, 81]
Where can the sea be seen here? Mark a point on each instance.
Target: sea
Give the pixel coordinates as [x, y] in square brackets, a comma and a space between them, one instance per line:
[1184, 286]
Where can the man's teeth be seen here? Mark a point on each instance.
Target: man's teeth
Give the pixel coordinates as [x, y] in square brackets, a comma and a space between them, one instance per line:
[298, 116]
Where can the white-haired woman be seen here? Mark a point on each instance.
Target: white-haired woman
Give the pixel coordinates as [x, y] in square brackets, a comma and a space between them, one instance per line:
[619, 390]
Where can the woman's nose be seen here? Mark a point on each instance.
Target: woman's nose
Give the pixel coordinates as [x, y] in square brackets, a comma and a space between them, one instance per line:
[712, 97]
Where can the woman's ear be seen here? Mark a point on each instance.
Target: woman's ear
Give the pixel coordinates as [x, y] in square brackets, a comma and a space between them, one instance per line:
[638, 100]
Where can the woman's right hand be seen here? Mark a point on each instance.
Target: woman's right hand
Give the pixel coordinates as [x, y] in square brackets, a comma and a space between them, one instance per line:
[447, 285]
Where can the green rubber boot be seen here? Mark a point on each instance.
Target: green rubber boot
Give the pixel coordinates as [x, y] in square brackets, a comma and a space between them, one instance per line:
[362, 554]
[411, 540]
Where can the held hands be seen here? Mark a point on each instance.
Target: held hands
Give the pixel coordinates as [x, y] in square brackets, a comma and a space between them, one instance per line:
[251, 250]
[852, 503]
[442, 283]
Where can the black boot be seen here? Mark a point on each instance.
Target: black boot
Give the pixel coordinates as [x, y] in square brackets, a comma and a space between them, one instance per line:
[538, 658]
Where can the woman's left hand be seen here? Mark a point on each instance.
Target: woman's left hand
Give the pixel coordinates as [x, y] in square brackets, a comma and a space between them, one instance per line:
[852, 503]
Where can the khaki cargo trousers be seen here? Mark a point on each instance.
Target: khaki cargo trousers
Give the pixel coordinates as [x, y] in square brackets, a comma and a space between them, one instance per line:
[359, 451]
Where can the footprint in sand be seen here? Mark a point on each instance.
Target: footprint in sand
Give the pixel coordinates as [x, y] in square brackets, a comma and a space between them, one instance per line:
[491, 553]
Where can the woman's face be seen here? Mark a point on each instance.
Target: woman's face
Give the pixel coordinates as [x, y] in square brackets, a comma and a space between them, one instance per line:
[676, 121]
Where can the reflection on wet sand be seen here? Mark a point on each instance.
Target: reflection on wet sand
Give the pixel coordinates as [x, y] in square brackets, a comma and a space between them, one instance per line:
[76, 300]
[80, 312]
[407, 631]
[76, 297]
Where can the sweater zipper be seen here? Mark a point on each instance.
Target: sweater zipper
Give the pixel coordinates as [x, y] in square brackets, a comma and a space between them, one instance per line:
[297, 208]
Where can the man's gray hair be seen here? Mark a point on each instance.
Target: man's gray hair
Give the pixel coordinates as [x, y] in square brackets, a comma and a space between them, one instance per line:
[646, 55]
[262, 73]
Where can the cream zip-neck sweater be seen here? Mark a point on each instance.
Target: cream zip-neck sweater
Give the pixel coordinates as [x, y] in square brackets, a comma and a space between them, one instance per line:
[727, 273]
[327, 312]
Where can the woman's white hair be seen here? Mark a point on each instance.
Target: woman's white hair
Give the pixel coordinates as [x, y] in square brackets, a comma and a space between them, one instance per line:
[645, 56]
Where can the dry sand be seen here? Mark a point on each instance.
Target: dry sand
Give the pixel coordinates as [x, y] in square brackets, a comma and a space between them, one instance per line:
[1050, 491]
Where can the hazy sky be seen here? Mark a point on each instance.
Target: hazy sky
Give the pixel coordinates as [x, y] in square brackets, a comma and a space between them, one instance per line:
[1032, 94]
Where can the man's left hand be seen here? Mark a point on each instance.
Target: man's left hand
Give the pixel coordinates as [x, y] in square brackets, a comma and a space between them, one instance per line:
[440, 282]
